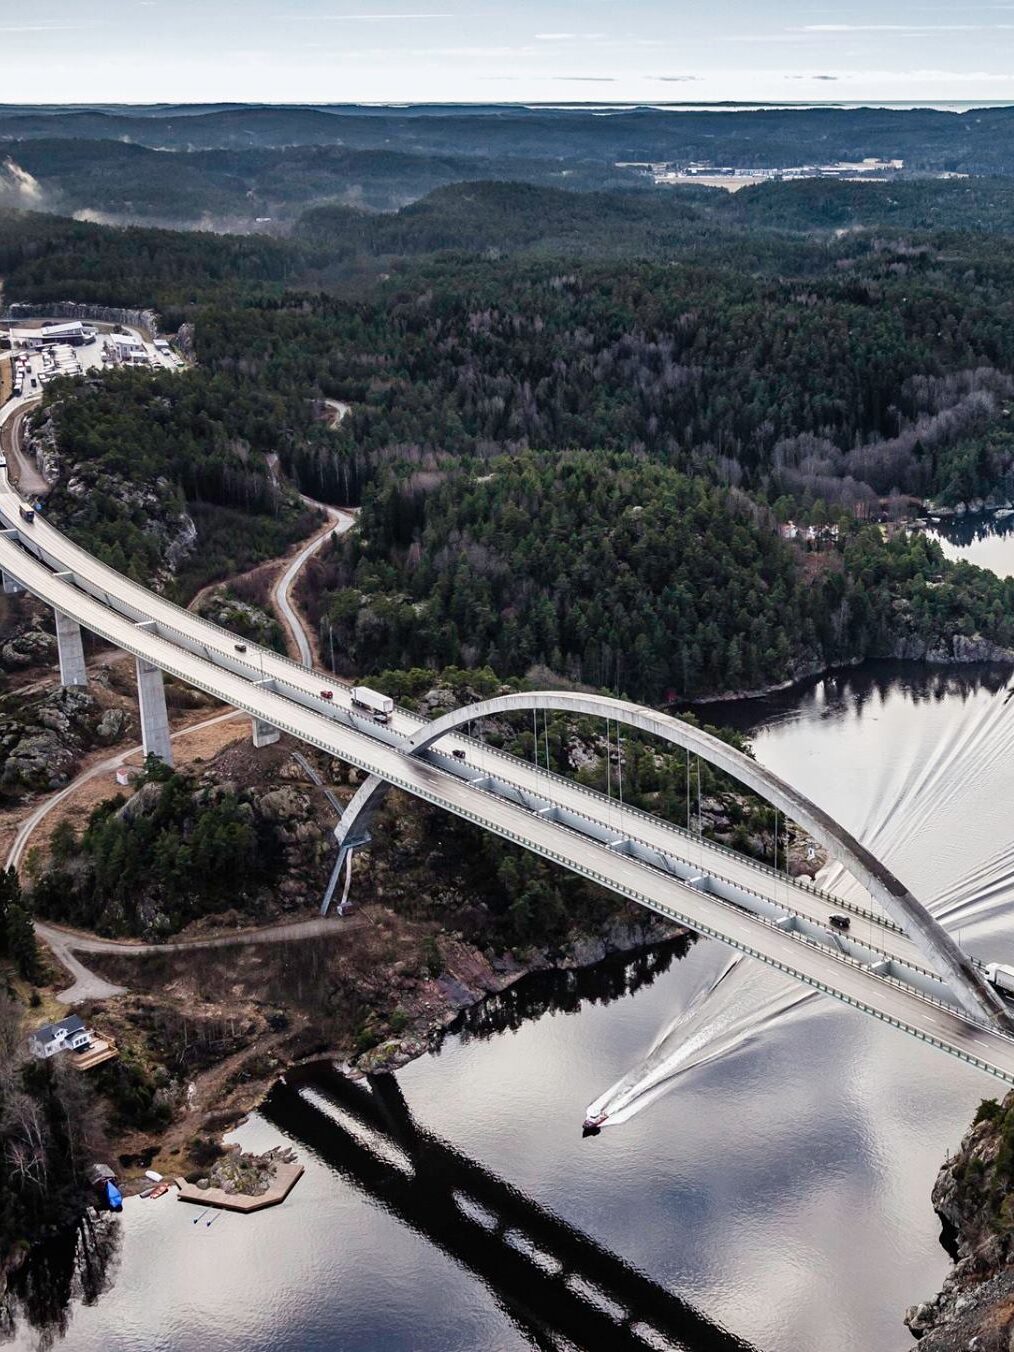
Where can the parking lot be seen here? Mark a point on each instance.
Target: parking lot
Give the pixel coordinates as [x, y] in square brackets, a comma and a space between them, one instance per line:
[104, 348]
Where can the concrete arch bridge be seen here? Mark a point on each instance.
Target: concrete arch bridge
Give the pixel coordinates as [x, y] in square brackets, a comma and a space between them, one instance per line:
[895, 963]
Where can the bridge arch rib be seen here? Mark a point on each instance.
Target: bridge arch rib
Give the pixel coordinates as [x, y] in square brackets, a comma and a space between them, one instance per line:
[947, 958]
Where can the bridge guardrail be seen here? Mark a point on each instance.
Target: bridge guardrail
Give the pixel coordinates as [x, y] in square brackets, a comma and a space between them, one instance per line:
[831, 897]
[730, 882]
[552, 776]
[255, 709]
[882, 921]
[228, 640]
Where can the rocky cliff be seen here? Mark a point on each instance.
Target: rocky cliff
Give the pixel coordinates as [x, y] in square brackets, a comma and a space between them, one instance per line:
[79, 490]
[42, 739]
[974, 1195]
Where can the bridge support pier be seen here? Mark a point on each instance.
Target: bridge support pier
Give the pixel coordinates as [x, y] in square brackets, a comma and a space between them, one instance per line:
[263, 733]
[154, 719]
[352, 831]
[71, 650]
[11, 587]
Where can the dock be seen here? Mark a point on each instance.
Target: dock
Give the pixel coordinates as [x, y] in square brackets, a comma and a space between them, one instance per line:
[286, 1178]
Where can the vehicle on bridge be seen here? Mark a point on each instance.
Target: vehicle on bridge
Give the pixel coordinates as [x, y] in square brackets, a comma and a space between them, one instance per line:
[27, 514]
[372, 701]
[1001, 976]
[839, 922]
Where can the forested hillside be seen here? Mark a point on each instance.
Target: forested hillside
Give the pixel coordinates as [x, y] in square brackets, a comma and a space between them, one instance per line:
[615, 572]
[843, 387]
[720, 367]
[142, 458]
[928, 139]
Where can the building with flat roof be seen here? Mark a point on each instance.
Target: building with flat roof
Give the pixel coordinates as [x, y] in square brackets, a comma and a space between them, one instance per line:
[73, 333]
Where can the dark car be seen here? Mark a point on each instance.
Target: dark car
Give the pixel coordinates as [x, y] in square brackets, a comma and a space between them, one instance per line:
[839, 922]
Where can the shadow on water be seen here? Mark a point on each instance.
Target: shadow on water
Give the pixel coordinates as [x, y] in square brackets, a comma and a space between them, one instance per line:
[74, 1266]
[966, 530]
[565, 992]
[857, 688]
[552, 1280]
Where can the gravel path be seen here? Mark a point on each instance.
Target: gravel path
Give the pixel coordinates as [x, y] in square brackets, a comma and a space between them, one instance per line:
[66, 943]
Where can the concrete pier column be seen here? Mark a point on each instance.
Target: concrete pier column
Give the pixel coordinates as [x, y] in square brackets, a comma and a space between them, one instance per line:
[263, 733]
[154, 719]
[71, 650]
[11, 587]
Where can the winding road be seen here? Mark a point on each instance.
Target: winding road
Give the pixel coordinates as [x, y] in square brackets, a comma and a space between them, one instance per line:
[65, 944]
[339, 523]
[29, 480]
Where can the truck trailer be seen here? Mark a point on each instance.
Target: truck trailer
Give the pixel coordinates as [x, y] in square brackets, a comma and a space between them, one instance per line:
[373, 702]
[1002, 977]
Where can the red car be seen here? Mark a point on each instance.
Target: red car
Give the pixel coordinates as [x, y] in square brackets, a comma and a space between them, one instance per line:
[327, 694]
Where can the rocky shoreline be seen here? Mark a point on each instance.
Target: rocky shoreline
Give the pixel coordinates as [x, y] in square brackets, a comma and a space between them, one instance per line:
[960, 650]
[458, 992]
[973, 1197]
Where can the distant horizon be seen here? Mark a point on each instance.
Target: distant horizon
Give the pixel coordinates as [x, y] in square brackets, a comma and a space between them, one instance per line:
[618, 105]
[870, 52]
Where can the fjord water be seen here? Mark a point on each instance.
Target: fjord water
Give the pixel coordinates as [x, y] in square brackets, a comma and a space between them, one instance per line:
[986, 541]
[776, 1177]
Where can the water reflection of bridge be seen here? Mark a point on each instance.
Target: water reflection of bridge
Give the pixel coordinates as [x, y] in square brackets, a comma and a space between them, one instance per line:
[560, 1287]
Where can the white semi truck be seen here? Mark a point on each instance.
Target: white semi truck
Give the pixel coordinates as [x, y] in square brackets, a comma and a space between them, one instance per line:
[373, 702]
[1002, 977]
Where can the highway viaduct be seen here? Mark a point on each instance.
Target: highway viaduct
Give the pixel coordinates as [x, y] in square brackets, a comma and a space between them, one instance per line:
[896, 963]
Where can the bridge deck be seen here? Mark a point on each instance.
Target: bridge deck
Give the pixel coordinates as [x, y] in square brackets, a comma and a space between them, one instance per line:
[819, 967]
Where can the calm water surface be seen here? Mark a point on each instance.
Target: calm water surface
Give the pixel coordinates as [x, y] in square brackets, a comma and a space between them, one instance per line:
[781, 1193]
[982, 540]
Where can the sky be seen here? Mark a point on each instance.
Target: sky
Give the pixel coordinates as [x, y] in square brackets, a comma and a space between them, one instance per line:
[492, 51]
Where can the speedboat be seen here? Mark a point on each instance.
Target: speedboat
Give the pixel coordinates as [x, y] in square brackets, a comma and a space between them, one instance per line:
[591, 1126]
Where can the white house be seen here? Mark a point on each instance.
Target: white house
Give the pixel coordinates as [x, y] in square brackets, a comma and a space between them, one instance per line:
[69, 1034]
[129, 349]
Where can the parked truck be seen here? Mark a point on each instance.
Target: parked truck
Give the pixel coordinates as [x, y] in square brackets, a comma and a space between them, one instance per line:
[373, 702]
[1002, 977]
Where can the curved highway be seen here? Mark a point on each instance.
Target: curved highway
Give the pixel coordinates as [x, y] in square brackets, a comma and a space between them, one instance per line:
[578, 829]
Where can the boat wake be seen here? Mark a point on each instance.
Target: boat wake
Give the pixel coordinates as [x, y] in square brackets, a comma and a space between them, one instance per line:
[723, 1016]
[726, 1013]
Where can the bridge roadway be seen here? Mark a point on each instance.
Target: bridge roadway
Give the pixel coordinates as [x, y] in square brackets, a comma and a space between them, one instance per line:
[540, 790]
[208, 660]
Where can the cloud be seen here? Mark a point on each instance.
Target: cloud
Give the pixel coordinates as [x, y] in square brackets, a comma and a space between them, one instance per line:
[812, 77]
[585, 79]
[568, 37]
[675, 79]
[907, 28]
[363, 18]
[44, 27]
